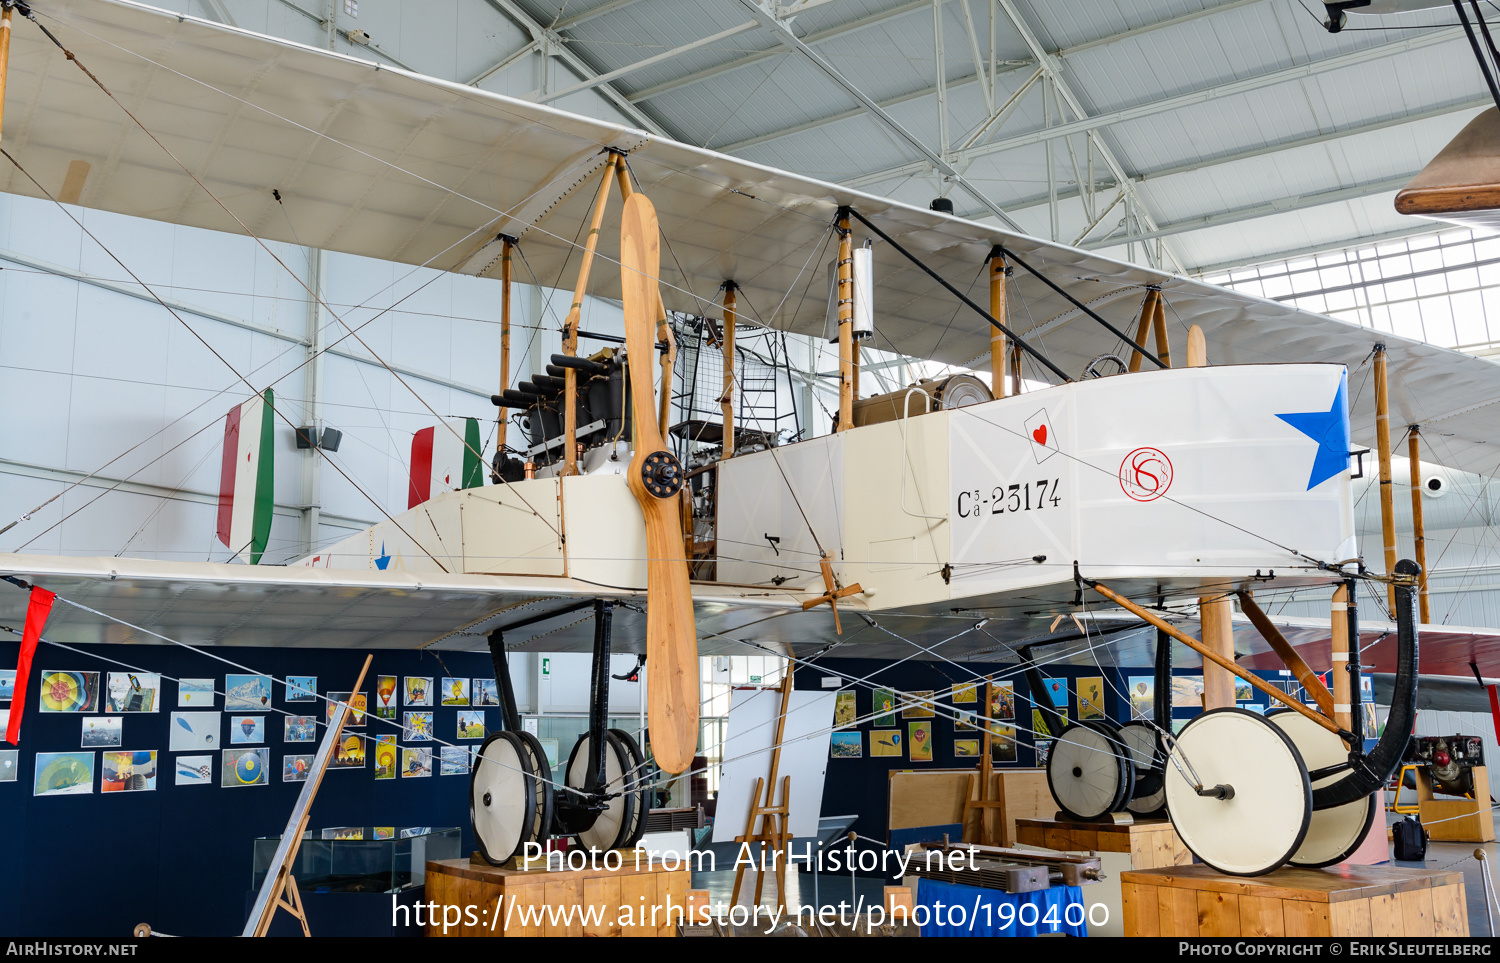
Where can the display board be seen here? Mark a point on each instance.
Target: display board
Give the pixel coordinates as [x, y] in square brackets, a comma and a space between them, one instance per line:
[747, 756]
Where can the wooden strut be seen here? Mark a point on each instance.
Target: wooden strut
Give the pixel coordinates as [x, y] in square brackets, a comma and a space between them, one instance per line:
[726, 400]
[831, 593]
[998, 375]
[1418, 528]
[978, 797]
[846, 325]
[4, 57]
[279, 878]
[570, 325]
[1338, 643]
[774, 832]
[1387, 490]
[504, 342]
[1214, 657]
[1154, 323]
[1289, 655]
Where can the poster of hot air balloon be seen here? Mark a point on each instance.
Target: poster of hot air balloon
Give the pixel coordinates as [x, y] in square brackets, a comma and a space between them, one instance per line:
[245, 730]
[350, 752]
[1142, 696]
[455, 692]
[247, 692]
[65, 691]
[418, 691]
[300, 729]
[1091, 697]
[485, 693]
[358, 703]
[245, 767]
[64, 773]
[295, 768]
[385, 757]
[128, 772]
[385, 696]
[302, 688]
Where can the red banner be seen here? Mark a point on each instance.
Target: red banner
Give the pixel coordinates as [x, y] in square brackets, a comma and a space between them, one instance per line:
[36, 617]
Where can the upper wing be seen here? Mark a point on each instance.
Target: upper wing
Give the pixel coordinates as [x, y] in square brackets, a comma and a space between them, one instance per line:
[376, 161]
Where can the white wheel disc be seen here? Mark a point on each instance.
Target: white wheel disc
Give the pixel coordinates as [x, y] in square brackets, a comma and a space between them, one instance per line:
[1141, 747]
[1084, 773]
[1266, 820]
[1333, 834]
[609, 829]
[501, 803]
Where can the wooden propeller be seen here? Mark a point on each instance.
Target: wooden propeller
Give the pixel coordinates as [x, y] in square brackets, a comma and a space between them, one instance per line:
[655, 478]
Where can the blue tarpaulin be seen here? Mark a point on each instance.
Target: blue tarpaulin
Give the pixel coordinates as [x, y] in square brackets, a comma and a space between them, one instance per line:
[952, 909]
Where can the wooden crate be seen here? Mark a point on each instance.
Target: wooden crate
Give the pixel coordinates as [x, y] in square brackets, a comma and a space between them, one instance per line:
[1454, 818]
[1150, 842]
[465, 883]
[1342, 901]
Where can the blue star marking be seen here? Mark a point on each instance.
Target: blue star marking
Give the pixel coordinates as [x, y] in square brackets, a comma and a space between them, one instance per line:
[1330, 429]
[383, 559]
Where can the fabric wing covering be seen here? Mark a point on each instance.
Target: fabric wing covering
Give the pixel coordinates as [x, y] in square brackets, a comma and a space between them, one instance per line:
[375, 161]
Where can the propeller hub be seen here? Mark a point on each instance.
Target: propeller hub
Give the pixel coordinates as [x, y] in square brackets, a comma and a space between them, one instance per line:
[662, 474]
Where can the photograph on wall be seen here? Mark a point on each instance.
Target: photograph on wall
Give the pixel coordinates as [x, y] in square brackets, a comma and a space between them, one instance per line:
[194, 770]
[101, 731]
[919, 738]
[454, 761]
[385, 757]
[846, 745]
[193, 730]
[1091, 697]
[1003, 746]
[128, 771]
[7, 684]
[245, 767]
[885, 742]
[883, 703]
[549, 746]
[296, 768]
[1039, 725]
[195, 694]
[963, 721]
[1187, 691]
[247, 692]
[1258, 708]
[65, 691]
[10, 764]
[418, 727]
[1003, 701]
[1142, 696]
[132, 692]
[415, 763]
[1058, 690]
[299, 729]
[385, 696]
[349, 753]
[302, 688]
[355, 833]
[963, 748]
[455, 691]
[358, 703]
[968, 692]
[246, 730]
[486, 692]
[418, 691]
[1243, 691]
[1367, 688]
[471, 724]
[64, 773]
[384, 832]
[1043, 752]
[917, 705]
[844, 713]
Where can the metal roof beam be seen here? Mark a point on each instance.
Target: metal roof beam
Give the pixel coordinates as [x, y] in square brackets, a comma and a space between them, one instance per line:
[619, 72]
[604, 9]
[1363, 240]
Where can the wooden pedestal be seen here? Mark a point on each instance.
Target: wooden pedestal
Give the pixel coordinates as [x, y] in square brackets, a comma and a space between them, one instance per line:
[464, 883]
[1344, 901]
[1454, 818]
[1150, 842]
[935, 798]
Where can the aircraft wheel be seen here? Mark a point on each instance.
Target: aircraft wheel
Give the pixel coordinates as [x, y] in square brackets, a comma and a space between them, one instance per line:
[1334, 834]
[504, 795]
[1087, 774]
[1144, 751]
[642, 793]
[546, 796]
[615, 823]
[1262, 822]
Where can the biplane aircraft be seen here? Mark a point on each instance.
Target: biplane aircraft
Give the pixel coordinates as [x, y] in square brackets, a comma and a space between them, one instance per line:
[1108, 505]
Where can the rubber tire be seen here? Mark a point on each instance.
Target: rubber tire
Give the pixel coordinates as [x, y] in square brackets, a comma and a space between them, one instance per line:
[1149, 798]
[1104, 743]
[622, 807]
[642, 795]
[502, 768]
[542, 826]
[1223, 745]
[1349, 824]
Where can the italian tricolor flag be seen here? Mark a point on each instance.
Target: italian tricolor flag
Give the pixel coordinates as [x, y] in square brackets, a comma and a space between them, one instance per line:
[245, 478]
[444, 459]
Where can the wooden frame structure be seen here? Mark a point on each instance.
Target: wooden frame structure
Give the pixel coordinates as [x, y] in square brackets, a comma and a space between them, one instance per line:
[774, 833]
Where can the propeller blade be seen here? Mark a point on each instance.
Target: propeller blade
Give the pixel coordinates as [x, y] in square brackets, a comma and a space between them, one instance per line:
[655, 478]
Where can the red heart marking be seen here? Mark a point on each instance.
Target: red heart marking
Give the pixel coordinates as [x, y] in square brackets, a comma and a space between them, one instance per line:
[1040, 434]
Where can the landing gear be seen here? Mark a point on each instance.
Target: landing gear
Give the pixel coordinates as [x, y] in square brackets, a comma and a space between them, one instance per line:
[512, 796]
[1087, 771]
[1237, 792]
[1335, 833]
[1143, 748]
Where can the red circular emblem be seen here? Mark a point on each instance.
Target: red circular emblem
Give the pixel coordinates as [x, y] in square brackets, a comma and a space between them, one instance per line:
[1145, 474]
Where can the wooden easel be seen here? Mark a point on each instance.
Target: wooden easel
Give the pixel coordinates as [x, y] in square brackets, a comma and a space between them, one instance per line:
[279, 881]
[981, 800]
[774, 834]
